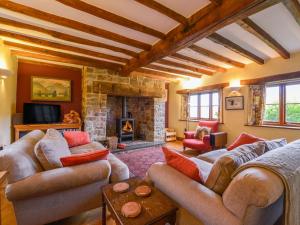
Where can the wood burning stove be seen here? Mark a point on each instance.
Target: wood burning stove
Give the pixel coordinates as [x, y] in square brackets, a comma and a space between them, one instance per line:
[126, 124]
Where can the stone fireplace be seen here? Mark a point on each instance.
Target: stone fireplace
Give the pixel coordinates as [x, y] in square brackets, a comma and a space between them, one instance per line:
[104, 95]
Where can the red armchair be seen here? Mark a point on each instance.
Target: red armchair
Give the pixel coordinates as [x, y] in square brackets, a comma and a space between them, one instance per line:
[209, 142]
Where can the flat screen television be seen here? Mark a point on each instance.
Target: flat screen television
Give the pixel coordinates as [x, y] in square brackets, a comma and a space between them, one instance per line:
[41, 113]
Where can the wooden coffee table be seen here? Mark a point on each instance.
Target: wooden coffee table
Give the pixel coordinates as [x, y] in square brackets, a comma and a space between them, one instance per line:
[157, 209]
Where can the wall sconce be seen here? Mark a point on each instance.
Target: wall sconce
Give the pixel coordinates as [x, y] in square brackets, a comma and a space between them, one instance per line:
[235, 86]
[4, 73]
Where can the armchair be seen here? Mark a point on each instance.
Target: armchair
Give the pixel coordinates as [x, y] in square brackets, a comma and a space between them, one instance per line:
[209, 142]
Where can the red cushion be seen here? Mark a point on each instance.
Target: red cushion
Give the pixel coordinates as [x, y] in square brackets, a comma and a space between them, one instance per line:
[196, 144]
[182, 164]
[76, 138]
[211, 124]
[244, 139]
[84, 157]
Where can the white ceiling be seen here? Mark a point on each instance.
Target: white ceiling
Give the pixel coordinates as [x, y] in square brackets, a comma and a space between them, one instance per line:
[276, 21]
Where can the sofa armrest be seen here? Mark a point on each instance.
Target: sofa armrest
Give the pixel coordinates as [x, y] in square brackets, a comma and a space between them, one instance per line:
[59, 179]
[201, 202]
[252, 187]
[119, 170]
[218, 140]
[189, 134]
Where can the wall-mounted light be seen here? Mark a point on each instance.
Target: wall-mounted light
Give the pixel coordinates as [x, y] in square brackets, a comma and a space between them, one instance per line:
[4, 73]
[235, 86]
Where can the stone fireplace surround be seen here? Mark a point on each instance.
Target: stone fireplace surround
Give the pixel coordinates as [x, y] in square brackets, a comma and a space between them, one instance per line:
[102, 104]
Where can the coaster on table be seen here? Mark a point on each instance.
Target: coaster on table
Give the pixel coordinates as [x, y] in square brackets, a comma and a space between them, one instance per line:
[143, 191]
[121, 187]
[131, 209]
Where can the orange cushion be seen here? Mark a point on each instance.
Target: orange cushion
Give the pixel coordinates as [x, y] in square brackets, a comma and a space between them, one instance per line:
[182, 164]
[86, 157]
[244, 139]
[76, 138]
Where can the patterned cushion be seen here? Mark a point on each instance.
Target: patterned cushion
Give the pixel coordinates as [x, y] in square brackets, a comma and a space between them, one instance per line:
[201, 132]
[50, 149]
[212, 156]
[220, 175]
[273, 144]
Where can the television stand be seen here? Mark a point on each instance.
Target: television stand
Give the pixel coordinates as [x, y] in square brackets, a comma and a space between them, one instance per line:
[21, 130]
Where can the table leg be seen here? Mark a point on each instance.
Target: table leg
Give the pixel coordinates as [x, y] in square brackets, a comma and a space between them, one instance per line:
[103, 211]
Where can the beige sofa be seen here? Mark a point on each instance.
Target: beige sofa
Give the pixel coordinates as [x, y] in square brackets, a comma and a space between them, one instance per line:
[254, 197]
[41, 197]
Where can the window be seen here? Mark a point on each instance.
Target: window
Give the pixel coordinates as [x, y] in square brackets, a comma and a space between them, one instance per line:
[282, 105]
[204, 106]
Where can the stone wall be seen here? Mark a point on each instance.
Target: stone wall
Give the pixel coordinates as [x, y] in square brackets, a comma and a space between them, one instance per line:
[146, 103]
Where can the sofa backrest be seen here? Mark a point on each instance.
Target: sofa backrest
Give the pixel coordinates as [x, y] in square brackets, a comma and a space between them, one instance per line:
[211, 124]
[19, 158]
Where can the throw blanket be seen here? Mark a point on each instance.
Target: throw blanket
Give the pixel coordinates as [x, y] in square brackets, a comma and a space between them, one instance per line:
[285, 162]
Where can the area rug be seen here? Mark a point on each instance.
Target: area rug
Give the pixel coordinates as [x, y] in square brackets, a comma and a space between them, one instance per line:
[139, 161]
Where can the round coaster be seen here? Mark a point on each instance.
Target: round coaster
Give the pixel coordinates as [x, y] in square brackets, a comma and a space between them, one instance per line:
[131, 209]
[143, 191]
[121, 187]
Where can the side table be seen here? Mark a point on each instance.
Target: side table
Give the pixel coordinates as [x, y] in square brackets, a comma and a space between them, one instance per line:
[157, 209]
[3, 175]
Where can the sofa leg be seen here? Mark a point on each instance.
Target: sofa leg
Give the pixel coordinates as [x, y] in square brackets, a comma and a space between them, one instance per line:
[184, 148]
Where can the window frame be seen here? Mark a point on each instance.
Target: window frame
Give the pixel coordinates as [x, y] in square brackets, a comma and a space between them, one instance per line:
[211, 104]
[282, 106]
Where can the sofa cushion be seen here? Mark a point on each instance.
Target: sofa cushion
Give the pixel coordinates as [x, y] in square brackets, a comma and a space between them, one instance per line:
[86, 148]
[50, 149]
[82, 158]
[182, 164]
[244, 139]
[77, 138]
[212, 156]
[220, 175]
[203, 166]
[19, 158]
[273, 144]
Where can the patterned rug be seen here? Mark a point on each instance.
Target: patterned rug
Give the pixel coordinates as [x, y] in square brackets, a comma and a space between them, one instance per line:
[139, 161]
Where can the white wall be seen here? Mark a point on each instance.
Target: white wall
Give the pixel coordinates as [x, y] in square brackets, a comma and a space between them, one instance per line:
[234, 120]
[7, 94]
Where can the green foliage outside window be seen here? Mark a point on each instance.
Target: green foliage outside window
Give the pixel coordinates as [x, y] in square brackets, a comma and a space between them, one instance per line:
[292, 113]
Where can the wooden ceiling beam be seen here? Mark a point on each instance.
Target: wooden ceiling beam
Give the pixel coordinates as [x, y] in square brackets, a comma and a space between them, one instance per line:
[188, 59]
[66, 37]
[257, 31]
[184, 66]
[51, 58]
[219, 39]
[205, 23]
[28, 11]
[294, 7]
[158, 74]
[171, 70]
[216, 56]
[164, 10]
[103, 14]
[60, 46]
[43, 51]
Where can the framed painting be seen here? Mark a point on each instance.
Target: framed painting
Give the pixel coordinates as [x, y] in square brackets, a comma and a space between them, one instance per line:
[234, 103]
[50, 89]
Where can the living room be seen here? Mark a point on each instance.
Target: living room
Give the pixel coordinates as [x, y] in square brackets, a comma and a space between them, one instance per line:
[150, 112]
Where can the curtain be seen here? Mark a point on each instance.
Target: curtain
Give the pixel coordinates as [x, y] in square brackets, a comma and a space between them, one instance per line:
[221, 105]
[256, 107]
[184, 107]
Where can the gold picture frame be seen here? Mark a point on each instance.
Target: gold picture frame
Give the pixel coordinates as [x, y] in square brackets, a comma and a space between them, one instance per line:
[50, 89]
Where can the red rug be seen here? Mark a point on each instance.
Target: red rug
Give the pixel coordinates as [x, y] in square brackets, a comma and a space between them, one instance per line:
[140, 160]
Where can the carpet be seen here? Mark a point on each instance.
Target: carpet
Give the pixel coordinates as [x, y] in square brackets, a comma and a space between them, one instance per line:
[139, 161]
